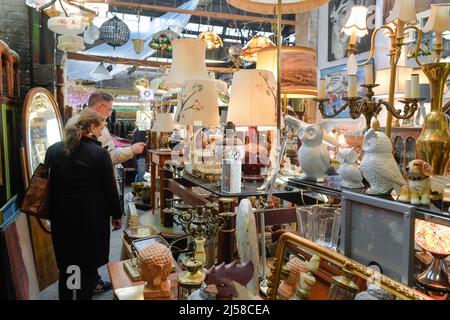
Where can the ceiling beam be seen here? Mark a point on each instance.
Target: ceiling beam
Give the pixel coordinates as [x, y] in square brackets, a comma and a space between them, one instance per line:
[210, 14]
[134, 62]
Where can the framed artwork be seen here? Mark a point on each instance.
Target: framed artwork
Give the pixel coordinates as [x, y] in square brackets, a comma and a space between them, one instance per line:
[339, 12]
[336, 86]
[18, 278]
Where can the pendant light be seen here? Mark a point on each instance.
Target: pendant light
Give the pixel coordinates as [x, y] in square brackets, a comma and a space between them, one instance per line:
[115, 32]
[138, 43]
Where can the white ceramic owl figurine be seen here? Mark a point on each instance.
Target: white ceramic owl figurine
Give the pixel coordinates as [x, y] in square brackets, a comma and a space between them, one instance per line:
[349, 172]
[378, 165]
[313, 154]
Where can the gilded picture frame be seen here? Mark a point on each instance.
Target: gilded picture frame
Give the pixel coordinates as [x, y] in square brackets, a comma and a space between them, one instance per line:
[298, 245]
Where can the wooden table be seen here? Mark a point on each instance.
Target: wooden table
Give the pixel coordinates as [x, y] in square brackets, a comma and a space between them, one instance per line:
[157, 158]
[120, 279]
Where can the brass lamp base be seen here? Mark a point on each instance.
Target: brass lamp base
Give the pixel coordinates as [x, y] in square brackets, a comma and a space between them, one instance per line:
[435, 278]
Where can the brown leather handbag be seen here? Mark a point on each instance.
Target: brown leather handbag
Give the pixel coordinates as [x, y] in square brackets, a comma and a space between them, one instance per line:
[36, 198]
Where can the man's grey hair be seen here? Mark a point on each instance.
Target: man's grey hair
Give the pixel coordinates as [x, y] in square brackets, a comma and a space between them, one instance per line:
[98, 97]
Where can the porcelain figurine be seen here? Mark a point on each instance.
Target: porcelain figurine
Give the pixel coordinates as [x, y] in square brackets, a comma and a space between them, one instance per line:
[288, 286]
[374, 292]
[247, 240]
[313, 154]
[155, 262]
[307, 280]
[418, 190]
[349, 172]
[378, 165]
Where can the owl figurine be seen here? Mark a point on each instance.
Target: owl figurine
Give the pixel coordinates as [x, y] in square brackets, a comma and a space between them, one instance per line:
[378, 165]
[313, 154]
[349, 172]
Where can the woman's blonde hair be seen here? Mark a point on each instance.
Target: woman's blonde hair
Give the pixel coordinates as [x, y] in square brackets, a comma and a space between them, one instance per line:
[73, 133]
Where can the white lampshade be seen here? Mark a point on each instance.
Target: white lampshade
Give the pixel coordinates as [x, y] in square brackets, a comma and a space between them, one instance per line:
[252, 100]
[101, 73]
[188, 62]
[298, 69]
[163, 123]
[439, 20]
[404, 10]
[67, 25]
[70, 43]
[383, 79]
[357, 22]
[91, 34]
[197, 102]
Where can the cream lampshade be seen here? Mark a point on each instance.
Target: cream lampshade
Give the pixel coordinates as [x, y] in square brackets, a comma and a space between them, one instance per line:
[298, 70]
[67, 25]
[383, 79]
[405, 11]
[270, 6]
[357, 22]
[439, 21]
[163, 123]
[197, 102]
[188, 62]
[252, 100]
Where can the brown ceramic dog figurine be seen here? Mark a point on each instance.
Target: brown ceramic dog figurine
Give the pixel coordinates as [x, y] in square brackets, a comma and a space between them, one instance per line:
[418, 190]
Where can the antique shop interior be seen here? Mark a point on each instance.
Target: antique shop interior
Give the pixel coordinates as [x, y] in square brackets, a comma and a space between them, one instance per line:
[224, 150]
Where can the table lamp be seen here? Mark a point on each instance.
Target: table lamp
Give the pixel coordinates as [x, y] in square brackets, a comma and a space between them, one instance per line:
[252, 104]
[164, 125]
[435, 239]
[298, 70]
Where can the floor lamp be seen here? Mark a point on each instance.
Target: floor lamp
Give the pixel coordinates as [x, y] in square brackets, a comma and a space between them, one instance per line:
[278, 7]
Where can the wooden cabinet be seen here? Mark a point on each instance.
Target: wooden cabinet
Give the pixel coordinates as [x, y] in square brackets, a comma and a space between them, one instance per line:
[404, 141]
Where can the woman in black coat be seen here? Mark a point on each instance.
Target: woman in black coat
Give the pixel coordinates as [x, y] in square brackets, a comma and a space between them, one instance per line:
[83, 199]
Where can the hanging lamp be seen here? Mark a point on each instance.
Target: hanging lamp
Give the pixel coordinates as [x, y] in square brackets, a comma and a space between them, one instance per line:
[115, 32]
[258, 42]
[138, 43]
[212, 40]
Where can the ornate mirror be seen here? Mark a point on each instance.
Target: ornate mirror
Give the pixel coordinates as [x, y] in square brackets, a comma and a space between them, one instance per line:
[42, 127]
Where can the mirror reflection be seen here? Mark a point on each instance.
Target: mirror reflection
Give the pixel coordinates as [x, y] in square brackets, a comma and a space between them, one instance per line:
[44, 129]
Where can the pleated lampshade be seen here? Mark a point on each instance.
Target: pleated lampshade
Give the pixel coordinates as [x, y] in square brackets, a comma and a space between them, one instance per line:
[188, 62]
[270, 6]
[163, 123]
[298, 69]
[197, 102]
[252, 100]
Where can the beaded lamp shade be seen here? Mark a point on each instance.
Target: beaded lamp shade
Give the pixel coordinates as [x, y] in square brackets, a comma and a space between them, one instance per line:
[114, 32]
[270, 6]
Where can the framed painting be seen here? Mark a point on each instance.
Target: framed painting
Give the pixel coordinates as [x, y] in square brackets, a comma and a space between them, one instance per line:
[18, 278]
[338, 13]
[336, 86]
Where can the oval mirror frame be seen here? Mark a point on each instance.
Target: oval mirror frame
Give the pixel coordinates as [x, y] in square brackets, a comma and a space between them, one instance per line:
[26, 129]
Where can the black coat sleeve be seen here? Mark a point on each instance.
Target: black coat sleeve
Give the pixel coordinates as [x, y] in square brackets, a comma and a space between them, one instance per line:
[109, 184]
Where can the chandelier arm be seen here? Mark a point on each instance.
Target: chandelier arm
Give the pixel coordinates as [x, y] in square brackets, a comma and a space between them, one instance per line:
[409, 109]
[335, 112]
[356, 108]
[419, 40]
[372, 44]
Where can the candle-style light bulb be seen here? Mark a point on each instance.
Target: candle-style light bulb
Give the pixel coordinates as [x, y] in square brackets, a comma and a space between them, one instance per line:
[438, 22]
[322, 89]
[356, 25]
[352, 86]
